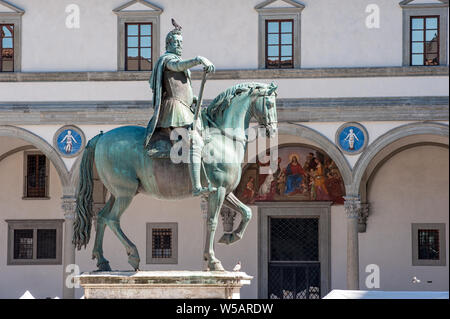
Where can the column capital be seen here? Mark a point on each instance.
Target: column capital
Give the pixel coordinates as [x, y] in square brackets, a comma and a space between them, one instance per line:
[228, 216]
[69, 204]
[352, 206]
[362, 218]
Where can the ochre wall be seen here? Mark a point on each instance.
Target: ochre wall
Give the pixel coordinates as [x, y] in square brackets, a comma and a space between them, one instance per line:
[411, 187]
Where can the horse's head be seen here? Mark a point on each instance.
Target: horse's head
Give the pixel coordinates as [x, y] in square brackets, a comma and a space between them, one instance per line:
[264, 108]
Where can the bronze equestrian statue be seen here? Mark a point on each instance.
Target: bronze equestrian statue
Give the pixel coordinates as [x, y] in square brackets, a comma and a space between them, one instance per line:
[132, 159]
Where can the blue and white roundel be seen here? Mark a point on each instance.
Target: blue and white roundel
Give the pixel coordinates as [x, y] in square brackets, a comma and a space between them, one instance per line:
[69, 142]
[351, 139]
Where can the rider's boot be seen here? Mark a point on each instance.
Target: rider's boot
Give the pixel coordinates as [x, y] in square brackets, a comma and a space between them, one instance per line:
[195, 165]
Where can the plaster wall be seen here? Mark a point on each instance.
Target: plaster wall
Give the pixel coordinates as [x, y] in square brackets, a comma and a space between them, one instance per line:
[334, 33]
[287, 88]
[41, 280]
[411, 187]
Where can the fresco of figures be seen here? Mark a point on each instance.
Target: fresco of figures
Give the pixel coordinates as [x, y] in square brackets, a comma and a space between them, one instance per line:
[303, 174]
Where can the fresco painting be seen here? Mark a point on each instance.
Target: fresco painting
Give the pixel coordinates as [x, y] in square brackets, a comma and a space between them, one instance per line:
[303, 174]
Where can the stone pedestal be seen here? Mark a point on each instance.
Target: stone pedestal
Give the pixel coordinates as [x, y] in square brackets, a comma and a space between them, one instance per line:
[163, 284]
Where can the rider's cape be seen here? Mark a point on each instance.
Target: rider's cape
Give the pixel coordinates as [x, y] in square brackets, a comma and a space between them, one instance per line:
[156, 84]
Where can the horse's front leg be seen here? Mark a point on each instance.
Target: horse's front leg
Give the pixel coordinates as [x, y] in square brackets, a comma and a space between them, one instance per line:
[246, 214]
[215, 201]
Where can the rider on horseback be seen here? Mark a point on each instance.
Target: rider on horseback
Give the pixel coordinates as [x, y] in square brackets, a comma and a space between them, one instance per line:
[173, 100]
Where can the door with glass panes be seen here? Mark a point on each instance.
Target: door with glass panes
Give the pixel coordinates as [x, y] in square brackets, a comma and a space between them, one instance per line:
[294, 251]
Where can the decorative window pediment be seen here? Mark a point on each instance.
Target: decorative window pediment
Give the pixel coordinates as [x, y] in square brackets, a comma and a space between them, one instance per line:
[279, 5]
[423, 3]
[279, 33]
[138, 6]
[137, 50]
[6, 7]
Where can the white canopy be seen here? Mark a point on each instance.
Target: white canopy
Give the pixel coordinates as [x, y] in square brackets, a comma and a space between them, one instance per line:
[377, 294]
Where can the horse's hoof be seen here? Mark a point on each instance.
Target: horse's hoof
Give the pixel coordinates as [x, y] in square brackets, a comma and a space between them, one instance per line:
[134, 262]
[216, 266]
[104, 267]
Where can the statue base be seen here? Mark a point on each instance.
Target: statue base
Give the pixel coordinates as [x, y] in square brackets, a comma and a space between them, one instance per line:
[163, 284]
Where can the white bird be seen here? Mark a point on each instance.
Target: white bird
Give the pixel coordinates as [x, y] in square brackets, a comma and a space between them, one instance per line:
[237, 267]
[415, 280]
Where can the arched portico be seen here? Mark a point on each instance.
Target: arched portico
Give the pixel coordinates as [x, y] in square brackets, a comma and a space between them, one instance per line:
[392, 142]
[42, 145]
[68, 199]
[383, 148]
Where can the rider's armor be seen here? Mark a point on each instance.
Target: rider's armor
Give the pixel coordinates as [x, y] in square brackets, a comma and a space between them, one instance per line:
[176, 100]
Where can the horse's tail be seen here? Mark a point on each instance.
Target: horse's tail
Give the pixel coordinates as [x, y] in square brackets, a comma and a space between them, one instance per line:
[83, 212]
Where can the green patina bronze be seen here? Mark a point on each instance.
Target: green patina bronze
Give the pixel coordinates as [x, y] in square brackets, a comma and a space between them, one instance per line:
[127, 166]
[173, 103]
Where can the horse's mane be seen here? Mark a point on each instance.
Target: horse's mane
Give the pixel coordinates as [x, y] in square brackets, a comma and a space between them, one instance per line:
[223, 100]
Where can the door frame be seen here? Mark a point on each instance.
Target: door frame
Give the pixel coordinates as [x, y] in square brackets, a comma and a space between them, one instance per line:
[294, 209]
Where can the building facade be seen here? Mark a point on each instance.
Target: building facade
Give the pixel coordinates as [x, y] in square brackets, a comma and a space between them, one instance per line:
[361, 197]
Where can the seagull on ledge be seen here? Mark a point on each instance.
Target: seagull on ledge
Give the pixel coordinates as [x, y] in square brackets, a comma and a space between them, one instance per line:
[237, 267]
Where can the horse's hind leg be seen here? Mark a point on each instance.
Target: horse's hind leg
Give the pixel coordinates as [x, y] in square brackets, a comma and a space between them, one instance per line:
[246, 214]
[113, 221]
[97, 252]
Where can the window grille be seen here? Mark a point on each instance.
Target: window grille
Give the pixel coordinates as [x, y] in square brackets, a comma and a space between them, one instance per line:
[36, 177]
[161, 243]
[429, 244]
[23, 244]
[294, 267]
[46, 244]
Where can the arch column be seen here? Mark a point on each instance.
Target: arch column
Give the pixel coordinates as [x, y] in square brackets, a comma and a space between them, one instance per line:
[68, 205]
[352, 206]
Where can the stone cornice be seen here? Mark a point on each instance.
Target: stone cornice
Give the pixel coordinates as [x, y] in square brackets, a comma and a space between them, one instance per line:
[240, 74]
[432, 108]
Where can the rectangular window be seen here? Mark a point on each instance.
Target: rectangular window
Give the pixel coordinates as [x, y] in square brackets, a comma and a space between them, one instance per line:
[428, 244]
[162, 243]
[424, 40]
[279, 44]
[138, 46]
[36, 176]
[34, 242]
[6, 48]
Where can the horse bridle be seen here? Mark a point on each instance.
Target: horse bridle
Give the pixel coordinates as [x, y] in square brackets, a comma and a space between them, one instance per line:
[238, 139]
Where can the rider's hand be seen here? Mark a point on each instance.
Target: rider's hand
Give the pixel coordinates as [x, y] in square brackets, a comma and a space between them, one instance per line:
[207, 65]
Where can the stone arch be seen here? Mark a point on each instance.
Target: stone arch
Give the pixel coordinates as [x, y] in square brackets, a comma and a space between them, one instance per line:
[391, 143]
[324, 143]
[43, 146]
